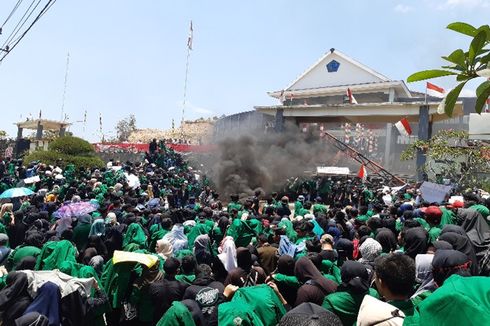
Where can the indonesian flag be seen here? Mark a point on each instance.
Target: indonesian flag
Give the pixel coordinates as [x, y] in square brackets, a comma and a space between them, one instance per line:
[403, 127]
[352, 99]
[189, 39]
[362, 172]
[434, 90]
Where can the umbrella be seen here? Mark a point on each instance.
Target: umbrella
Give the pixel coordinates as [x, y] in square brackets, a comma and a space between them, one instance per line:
[76, 209]
[16, 192]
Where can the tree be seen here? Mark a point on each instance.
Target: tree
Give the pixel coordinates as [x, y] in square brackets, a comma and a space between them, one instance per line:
[3, 134]
[125, 127]
[465, 65]
[451, 154]
[67, 150]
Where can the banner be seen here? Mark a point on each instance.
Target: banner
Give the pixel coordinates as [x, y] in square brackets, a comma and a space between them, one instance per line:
[433, 192]
[142, 148]
[335, 170]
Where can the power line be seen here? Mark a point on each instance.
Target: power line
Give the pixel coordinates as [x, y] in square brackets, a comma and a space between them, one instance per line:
[19, 26]
[11, 14]
[17, 41]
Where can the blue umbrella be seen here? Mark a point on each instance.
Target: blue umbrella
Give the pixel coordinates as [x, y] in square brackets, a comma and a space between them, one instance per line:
[16, 192]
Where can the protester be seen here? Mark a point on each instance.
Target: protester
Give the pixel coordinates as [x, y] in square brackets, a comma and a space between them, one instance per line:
[148, 243]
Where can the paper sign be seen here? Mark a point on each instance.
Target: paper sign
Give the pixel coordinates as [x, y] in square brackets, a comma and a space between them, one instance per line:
[433, 192]
[33, 179]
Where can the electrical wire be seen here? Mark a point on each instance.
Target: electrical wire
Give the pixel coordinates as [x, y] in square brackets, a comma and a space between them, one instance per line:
[11, 13]
[21, 23]
[45, 9]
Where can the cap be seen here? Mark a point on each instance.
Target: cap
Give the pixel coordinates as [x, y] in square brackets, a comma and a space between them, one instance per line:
[456, 204]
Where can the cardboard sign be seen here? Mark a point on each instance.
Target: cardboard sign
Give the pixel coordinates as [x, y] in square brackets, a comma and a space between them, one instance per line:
[433, 192]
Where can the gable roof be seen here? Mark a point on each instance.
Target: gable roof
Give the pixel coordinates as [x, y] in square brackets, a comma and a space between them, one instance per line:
[349, 71]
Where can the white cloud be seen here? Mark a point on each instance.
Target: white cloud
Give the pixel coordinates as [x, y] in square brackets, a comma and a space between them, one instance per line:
[401, 8]
[196, 109]
[464, 4]
[468, 93]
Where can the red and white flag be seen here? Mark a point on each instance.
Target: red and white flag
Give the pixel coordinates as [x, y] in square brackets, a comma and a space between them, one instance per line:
[189, 39]
[434, 90]
[362, 173]
[403, 127]
[352, 99]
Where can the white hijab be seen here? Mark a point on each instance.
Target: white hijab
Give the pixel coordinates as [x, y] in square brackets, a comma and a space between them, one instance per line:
[227, 253]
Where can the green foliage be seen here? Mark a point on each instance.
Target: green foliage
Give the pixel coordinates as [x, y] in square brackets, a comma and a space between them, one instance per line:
[70, 150]
[450, 154]
[71, 146]
[3, 134]
[51, 158]
[466, 66]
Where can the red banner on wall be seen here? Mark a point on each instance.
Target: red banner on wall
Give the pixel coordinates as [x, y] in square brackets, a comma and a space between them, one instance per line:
[141, 148]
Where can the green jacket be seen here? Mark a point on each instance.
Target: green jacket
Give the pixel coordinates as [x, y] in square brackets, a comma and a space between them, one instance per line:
[346, 305]
[136, 235]
[255, 305]
[80, 235]
[459, 301]
[177, 315]
[21, 252]
[54, 254]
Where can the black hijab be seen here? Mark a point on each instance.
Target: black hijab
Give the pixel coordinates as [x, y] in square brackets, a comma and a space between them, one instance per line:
[28, 262]
[285, 265]
[355, 277]
[386, 239]
[415, 241]
[449, 262]
[464, 245]
[345, 250]
[244, 259]
[14, 298]
[306, 271]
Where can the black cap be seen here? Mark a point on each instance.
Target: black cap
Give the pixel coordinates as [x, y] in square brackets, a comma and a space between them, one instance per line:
[310, 314]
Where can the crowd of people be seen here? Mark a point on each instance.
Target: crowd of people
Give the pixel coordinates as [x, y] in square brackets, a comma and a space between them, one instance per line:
[158, 246]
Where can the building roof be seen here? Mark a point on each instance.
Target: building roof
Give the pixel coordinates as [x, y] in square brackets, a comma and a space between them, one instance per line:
[336, 70]
[47, 124]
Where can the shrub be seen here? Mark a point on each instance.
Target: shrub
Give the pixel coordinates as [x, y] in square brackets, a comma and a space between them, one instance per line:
[70, 150]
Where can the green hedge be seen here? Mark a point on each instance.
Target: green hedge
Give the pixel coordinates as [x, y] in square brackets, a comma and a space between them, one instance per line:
[70, 150]
[71, 146]
[51, 158]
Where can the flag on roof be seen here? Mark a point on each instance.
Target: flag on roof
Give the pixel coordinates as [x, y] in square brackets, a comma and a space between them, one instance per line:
[403, 127]
[362, 172]
[434, 90]
[352, 99]
[189, 39]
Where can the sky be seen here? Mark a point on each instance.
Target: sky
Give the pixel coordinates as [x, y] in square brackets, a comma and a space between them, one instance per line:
[129, 56]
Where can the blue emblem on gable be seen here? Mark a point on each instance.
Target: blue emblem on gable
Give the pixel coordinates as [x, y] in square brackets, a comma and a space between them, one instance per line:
[333, 66]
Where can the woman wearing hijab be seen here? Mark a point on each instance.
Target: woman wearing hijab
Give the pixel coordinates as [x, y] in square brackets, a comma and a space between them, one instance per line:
[416, 241]
[345, 250]
[164, 249]
[14, 298]
[6, 215]
[463, 244]
[177, 238]
[227, 253]
[284, 277]
[346, 302]
[387, 240]
[81, 231]
[97, 228]
[423, 277]
[370, 249]
[47, 303]
[97, 243]
[315, 286]
[245, 274]
[202, 250]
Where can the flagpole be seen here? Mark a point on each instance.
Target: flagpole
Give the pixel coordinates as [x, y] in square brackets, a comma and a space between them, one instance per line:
[189, 48]
[425, 94]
